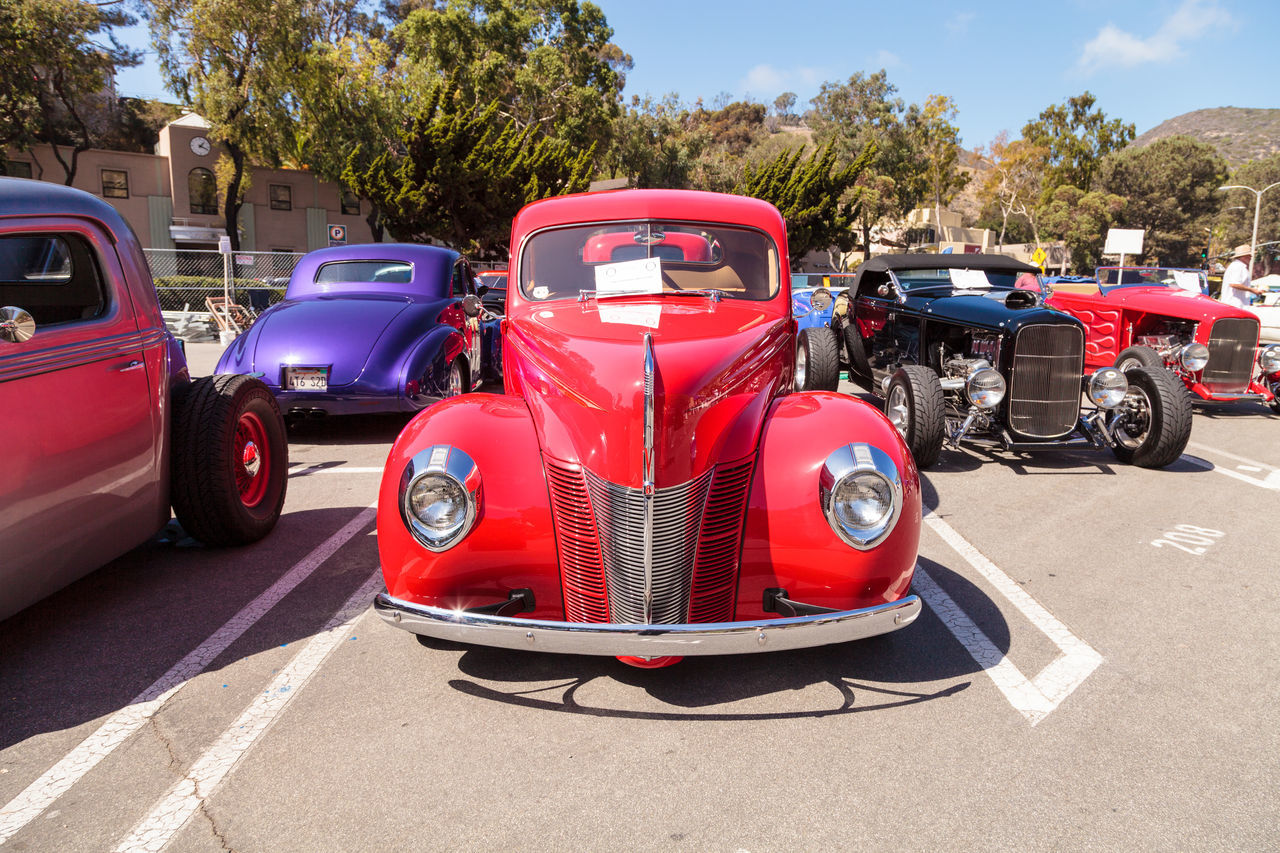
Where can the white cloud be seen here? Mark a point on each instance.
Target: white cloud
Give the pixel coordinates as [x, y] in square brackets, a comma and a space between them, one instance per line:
[885, 59]
[958, 25]
[1113, 47]
[774, 81]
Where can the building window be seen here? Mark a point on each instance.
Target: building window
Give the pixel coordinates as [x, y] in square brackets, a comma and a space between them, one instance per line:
[17, 168]
[350, 203]
[203, 189]
[281, 197]
[115, 183]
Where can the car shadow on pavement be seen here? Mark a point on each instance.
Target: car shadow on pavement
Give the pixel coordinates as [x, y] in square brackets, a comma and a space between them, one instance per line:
[1227, 411]
[98, 645]
[920, 663]
[348, 429]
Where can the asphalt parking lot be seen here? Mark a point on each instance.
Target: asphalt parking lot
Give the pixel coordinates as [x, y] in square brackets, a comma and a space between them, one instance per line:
[1096, 667]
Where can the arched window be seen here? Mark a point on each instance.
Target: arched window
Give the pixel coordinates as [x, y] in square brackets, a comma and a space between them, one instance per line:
[203, 189]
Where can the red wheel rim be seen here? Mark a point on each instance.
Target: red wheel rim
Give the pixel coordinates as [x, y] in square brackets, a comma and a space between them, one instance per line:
[252, 459]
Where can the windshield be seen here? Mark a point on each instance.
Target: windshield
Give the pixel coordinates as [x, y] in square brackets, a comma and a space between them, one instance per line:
[1194, 281]
[649, 258]
[966, 279]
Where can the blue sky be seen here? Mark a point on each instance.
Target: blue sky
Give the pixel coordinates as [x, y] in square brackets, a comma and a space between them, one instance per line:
[1002, 62]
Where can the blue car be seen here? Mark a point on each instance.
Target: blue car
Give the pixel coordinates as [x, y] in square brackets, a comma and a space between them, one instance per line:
[818, 344]
[379, 327]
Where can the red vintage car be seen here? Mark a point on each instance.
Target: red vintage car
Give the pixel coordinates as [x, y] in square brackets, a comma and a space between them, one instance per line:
[104, 429]
[649, 486]
[1160, 317]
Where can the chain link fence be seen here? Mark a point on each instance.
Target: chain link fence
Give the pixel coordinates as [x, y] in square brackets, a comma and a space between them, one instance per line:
[188, 279]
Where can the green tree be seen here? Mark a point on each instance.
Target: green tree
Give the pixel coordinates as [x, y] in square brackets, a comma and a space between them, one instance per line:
[57, 62]
[1171, 192]
[1081, 221]
[860, 112]
[938, 141]
[816, 196]
[1012, 185]
[1236, 218]
[656, 144]
[460, 177]
[1077, 137]
[549, 64]
[234, 62]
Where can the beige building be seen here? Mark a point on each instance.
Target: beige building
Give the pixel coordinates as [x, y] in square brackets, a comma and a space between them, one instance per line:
[170, 198]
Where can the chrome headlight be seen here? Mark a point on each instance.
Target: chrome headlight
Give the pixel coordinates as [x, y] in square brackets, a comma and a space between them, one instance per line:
[820, 299]
[1108, 387]
[1269, 358]
[860, 492]
[1194, 357]
[440, 496]
[842, 304]
[985, 387]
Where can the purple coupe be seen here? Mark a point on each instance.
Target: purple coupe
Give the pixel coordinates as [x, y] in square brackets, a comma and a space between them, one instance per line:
[379, 327]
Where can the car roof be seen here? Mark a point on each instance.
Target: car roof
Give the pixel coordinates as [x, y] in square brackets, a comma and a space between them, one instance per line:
[27, 197]
[923, 261]
[631, 205]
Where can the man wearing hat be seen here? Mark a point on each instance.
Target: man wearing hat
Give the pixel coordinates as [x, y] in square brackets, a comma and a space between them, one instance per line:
[1237, 286]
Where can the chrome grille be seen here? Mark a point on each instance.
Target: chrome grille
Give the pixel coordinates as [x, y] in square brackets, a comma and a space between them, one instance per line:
[1044, 389]
[1231, 353]
[697, 536]
[677, 518]
[715, 572]
[581, 570]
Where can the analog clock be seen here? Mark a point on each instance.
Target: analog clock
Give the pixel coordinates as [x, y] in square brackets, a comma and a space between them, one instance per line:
[199, 145]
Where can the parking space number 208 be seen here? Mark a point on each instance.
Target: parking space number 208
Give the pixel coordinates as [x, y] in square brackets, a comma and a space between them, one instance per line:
[1189, 538]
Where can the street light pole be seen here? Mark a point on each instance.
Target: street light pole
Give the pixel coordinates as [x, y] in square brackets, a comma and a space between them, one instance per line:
[1257, 209]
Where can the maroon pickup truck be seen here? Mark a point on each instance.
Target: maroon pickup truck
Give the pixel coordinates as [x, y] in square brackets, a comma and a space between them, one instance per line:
[103, 428]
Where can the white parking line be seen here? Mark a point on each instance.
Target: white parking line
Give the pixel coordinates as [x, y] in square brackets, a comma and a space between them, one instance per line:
[1270, 481]
[189, 794]
[1034, 698]
[336, 469]
[37, 796]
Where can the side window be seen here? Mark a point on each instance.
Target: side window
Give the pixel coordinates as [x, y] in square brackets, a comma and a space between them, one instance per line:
[462, 281]
[53, 277]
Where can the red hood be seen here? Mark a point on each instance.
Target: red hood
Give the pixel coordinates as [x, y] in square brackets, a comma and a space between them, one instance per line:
[718, 367]
[1171, 302]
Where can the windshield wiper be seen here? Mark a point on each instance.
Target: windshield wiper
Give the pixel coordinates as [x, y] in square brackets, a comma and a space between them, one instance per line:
[585, 295]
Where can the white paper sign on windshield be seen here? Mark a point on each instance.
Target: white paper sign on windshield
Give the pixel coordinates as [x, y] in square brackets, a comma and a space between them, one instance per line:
[632, 315]
[639, 276]
[970, 279]
[1187, 280]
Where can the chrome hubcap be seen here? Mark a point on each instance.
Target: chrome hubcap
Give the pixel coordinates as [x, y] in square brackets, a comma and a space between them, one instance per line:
[251, 459]
[1137, 421]
[898, 411]
[455, 380]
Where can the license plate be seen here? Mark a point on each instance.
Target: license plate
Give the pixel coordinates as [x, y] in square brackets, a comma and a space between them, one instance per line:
[306, 378]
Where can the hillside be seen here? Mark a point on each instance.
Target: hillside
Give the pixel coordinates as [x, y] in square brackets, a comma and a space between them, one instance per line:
[1240, 134]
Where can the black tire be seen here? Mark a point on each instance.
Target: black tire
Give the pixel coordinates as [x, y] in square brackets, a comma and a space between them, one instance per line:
[219, 494]
[1160, 423]
[856, 353]
[914, 404]
[1138, 357]
[1275, 403]
[817, 360]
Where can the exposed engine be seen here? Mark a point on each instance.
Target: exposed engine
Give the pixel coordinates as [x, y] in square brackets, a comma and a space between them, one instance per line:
[1168, 337]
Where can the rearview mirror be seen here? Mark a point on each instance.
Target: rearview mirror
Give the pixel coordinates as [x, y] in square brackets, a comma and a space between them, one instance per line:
[16, 325]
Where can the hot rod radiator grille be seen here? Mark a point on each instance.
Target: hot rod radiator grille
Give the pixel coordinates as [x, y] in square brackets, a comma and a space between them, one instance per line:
[1231, 345]
[1044, 389]
[697, 542]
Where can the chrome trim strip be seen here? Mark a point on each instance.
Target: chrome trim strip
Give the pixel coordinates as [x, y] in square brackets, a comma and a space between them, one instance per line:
[587, 638]
[35, 362]
[649, 487]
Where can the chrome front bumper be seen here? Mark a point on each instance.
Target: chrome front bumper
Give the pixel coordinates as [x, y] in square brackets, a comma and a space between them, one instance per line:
[591, 638]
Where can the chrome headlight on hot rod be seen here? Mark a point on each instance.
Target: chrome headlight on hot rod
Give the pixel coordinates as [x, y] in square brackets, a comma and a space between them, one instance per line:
[860, 490]
[440, 496]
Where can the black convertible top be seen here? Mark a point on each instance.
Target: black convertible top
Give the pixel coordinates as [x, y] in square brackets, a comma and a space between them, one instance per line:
[921, 261]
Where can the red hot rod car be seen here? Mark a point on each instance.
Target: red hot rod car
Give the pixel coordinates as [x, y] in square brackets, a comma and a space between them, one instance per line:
[1159, 317]
[648, 487]
[103, 427]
